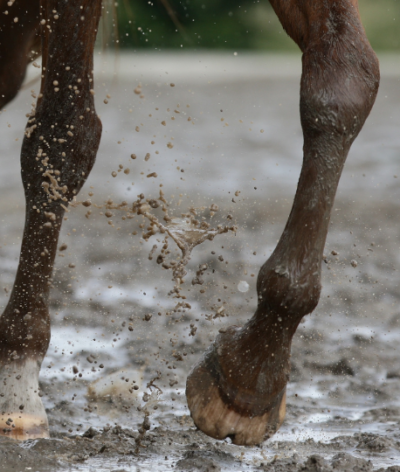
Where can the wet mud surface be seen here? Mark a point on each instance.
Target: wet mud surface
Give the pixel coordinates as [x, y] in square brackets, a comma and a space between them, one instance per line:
[114, 377]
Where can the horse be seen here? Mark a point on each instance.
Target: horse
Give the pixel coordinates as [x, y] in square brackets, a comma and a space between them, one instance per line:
[238, 388]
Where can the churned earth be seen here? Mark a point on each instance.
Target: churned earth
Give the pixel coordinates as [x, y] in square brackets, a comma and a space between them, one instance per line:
[220, 136]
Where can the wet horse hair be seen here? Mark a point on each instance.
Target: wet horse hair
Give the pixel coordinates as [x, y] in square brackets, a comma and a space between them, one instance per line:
[238, 388]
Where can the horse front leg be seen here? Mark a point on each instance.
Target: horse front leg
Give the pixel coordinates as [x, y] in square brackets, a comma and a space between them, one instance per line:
[58, 152]
[238, 389]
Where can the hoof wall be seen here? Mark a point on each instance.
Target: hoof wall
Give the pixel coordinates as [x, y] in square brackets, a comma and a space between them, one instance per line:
[219, 419]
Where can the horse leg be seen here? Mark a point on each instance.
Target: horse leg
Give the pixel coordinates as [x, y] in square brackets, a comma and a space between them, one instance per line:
[238, 389]
[58, 152]
[18, 29]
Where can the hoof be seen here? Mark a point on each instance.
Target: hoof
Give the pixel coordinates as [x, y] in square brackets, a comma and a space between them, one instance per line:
[22, 427]
[22, 415]
[218, 419]
[236, 405]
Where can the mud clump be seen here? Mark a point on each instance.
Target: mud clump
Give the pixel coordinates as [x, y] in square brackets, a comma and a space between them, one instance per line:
[282, 465]
[375, 443]
[342, 462]
[393, 468]
[345, 462]
[316, 463]
[195, 462]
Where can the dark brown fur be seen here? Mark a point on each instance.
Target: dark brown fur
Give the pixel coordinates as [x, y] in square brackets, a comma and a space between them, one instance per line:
[68, 42]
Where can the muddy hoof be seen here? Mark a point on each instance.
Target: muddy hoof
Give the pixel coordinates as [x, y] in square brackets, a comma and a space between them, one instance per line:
[22, 427]
[236, 392]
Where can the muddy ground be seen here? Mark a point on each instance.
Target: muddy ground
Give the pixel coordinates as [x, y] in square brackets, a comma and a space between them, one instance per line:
[113, 320]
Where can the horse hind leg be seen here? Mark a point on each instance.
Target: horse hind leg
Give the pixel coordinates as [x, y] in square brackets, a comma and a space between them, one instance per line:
[238, 388]
[58, 152]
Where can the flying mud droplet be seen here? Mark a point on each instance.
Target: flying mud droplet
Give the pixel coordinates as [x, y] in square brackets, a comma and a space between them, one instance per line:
[138, 89]
[243, 286]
